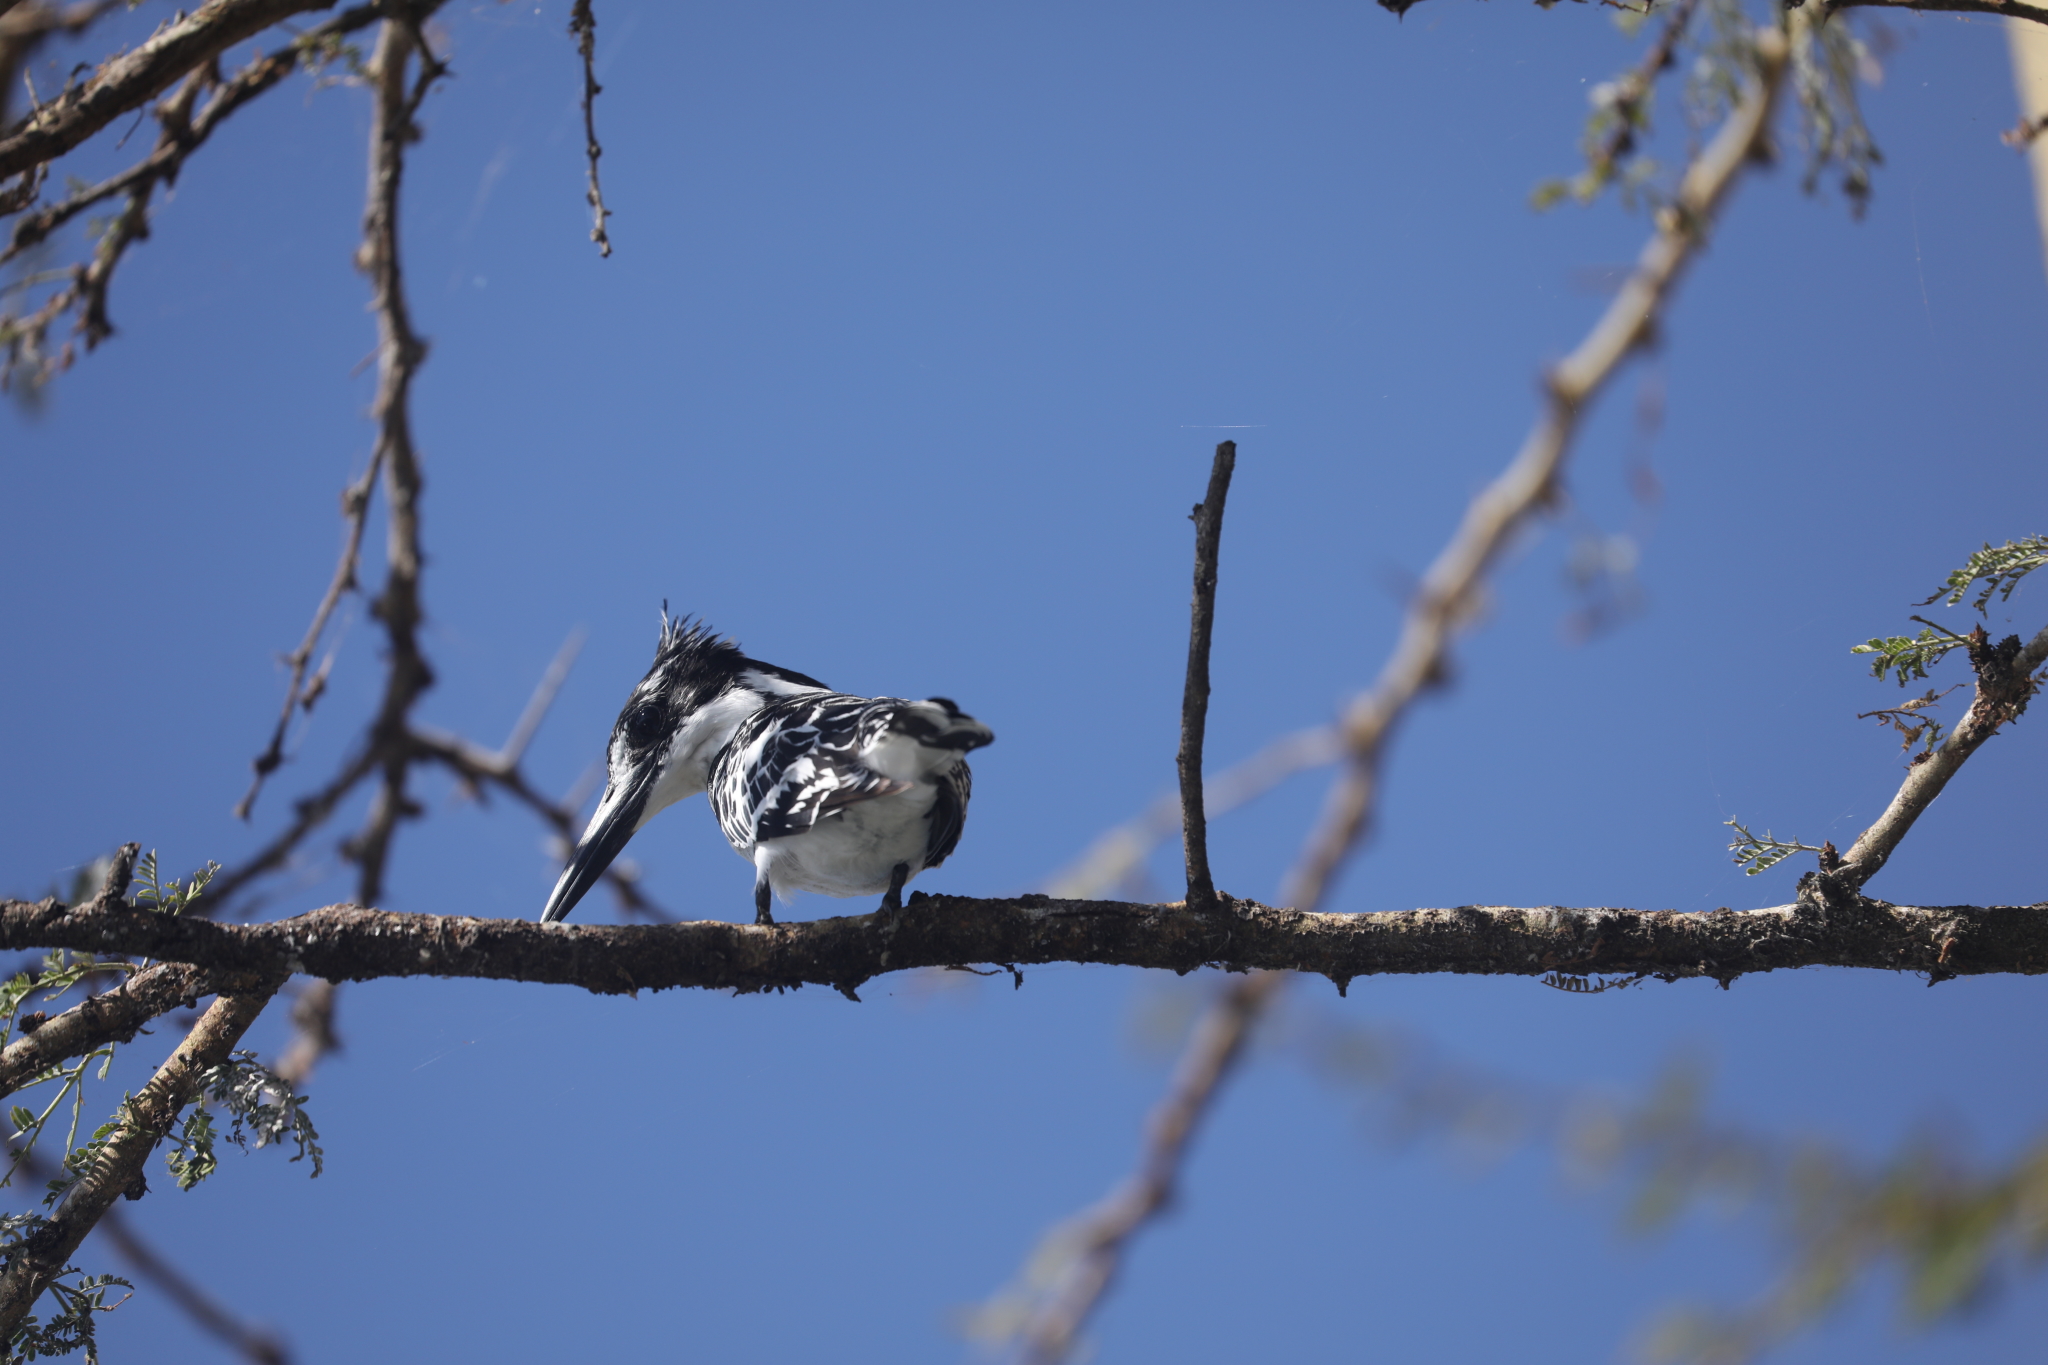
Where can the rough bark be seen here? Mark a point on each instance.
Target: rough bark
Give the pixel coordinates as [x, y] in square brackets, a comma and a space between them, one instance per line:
[348, 943]
[110, 1017]
[125, 83]
[146, 1120]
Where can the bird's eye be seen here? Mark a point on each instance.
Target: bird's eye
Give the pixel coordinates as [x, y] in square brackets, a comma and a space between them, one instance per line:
[643, 725]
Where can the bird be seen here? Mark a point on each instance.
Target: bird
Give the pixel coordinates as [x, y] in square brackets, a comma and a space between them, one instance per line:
[819, 790]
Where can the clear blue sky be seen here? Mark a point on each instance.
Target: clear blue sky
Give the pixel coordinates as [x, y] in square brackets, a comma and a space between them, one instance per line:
[922, 324]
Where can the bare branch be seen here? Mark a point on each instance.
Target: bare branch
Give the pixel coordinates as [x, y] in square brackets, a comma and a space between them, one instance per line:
[126, 82]
[1194, 703]
[2016, 9]
[143, 1122]
[583, 25]
[2005, 682]
[355, 511]
[400, 353]
[313, 1034]
[1078, 1260]
[252, 1343]
[1446, 597]
[1110, 863]
[1443, 602]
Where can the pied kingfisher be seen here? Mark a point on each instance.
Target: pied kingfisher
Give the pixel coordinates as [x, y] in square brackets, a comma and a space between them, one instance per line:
[820, 791]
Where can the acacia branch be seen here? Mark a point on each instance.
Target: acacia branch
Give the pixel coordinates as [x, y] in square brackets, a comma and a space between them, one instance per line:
[126, 82]
[400, 352]
[1081, 1258]
[348, 943]
[1446, 598]
[2016, 9]
[1113, 861]
[1194, 703]
[2005, 682]
[113, 1016]
[1441, 605]
[143, 1122]
[583, 27]
[252, 1343]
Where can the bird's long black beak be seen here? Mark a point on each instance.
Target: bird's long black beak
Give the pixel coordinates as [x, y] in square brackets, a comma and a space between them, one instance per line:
[617, 817]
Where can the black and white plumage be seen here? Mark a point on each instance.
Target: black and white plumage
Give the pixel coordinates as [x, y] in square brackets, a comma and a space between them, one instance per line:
[821, 791]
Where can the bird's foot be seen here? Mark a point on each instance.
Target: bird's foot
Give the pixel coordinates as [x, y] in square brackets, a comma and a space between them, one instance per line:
[762, 895]
[892, 899]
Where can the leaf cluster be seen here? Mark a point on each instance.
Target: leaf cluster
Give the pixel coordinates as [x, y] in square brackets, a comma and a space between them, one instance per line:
[260, 1107]
[1754, 855]
[61, 971]
[1827, 62]
[171, 897]
[71, 1328]
[1999, 569]
[1908, 657]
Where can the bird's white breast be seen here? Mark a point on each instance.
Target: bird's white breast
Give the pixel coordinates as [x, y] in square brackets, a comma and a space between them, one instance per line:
[852, 851]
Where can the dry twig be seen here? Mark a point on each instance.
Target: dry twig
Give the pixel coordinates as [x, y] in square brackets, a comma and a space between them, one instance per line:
[583, 26]
[1194, 704]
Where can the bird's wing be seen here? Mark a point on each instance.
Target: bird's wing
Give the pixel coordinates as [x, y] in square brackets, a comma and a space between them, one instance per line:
[791, 764]
[948, 813]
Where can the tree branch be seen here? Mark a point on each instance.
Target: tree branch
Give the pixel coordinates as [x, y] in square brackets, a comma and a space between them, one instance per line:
[2017, 9]
[112, 1016]
[400, 353]
[348, 943]
[1445, 599]
[143, 1122]
[252, 1343]
[1194, 702]
[1095, 1243]
[583, 27]
[1081, 1257]
[2004, 685]
[125, 82]
[1113, 860]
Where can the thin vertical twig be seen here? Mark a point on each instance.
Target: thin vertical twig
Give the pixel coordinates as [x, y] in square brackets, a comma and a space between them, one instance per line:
[583, 25]
[400, 352]
[1194, 702]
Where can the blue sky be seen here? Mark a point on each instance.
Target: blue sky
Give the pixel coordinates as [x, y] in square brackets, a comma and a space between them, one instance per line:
[922, 324]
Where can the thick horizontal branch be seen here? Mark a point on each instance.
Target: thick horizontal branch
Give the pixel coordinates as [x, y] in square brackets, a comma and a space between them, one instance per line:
[2015, 8]
[348, 943]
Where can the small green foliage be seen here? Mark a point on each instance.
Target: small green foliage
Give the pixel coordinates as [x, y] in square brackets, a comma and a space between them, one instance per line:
[1713, 43]
[192, 1160]
[80, 1159]
[2000, 570]
[61, 971]
[1909, 656]
[71, 1327]
[317, 53]
[1754, 855]
[258, 1104]
[168, 897]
